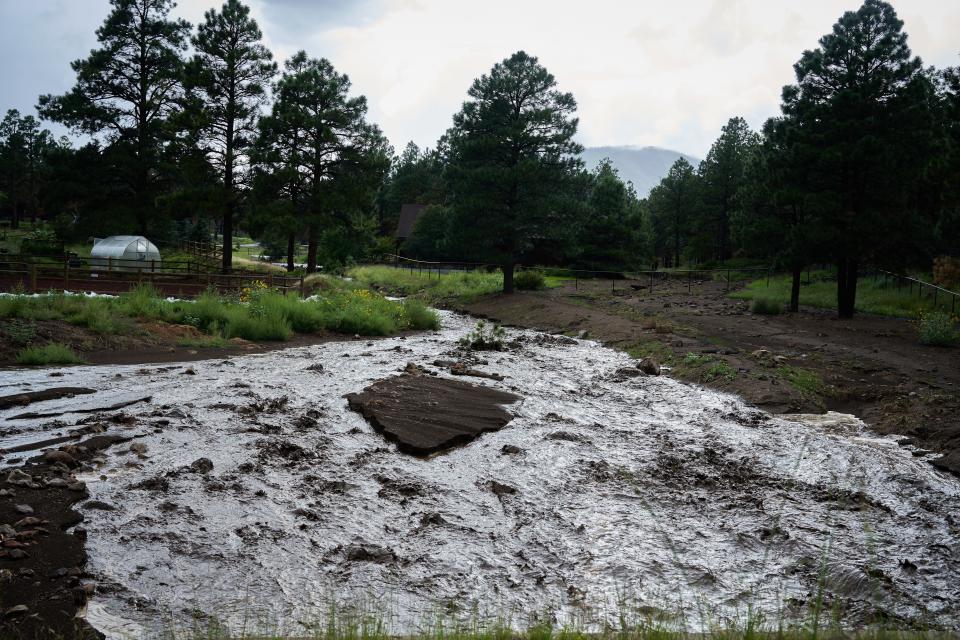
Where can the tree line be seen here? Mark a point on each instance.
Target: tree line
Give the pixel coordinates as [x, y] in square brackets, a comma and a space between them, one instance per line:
[195, 128]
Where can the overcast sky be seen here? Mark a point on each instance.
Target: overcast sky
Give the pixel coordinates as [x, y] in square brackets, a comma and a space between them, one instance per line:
[644, 72]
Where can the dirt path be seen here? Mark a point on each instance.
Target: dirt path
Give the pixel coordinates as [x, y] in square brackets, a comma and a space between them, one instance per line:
[871, 366]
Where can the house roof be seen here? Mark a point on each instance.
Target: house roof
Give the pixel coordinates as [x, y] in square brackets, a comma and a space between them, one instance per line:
[409, 213]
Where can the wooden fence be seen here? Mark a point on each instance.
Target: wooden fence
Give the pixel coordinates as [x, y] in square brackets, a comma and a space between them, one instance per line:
[178, 278]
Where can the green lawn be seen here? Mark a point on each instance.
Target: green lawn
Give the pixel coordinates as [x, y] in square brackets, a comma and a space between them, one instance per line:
[873, 295]
[433, 287]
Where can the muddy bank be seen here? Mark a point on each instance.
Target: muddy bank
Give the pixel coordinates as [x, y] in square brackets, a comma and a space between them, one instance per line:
[870, 366]
[148, 343]
[256, 493]
[425, 414]
[45, 585]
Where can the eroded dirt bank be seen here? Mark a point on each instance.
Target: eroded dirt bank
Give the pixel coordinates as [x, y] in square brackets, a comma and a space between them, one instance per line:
[250, 491]
[870, 366]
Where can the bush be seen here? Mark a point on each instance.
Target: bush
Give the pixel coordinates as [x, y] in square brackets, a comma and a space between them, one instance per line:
[482, 338]
[936, 329]
[529, 280]
[766, 307]
[53, 353]
[419, 316]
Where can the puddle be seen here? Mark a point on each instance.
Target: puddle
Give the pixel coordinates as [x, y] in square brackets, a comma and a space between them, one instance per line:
[664, 493]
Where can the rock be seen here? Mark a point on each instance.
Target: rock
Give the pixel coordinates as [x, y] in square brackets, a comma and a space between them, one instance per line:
[80, 533]
[23, 509]
[509, 450]
[317, 367]
[461, 369]
[176, 413]
[20, 478]
[649, 366]
[583, 334]
[18, 610]
[139, 448]
[99, 505]
[432, 519]
[17, 554]
[414, 369]
[7, 531]
[444, 364]
[760, 354]
[189, 371]
[29, 521]
[201, 465]
[627, 372]
[501, 489]
[369, 553]
[59, 456]
[424, 414]
[76, 486]
[56, 482]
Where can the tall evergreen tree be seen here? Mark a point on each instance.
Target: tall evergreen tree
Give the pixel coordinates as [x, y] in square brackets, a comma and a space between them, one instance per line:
[612, 234]
[721, 176]
[672, 204]
[231, 71]
[512, 162]
[327, 159]
[126, 89]
[24, 147]
[862, 127]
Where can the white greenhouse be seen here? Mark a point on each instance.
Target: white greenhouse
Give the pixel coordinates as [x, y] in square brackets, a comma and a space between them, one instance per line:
[124, 253]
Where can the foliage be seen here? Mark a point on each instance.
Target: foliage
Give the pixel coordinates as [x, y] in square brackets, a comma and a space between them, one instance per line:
[19, 332]
[484, 337]
[461, 285]
[513, 163]
[52, 353]
[126, 90]
[937, 328]
[672, 204]
[529, 279]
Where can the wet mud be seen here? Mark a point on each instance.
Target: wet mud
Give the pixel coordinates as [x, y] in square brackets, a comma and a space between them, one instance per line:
[251, 491]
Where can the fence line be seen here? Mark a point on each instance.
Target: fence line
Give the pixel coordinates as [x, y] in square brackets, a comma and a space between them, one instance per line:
[118, 275]
[934, 291]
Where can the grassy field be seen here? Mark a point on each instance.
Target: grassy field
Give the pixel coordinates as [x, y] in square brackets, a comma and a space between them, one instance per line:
[873, 296]
[259, 314]
[459, 285]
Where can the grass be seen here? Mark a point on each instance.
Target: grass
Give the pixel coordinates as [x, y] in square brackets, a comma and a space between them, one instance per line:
[461, 285]
[206, 342]
[262, 314]
[803, 379]
[873, 296]
[52, 353]
[705, 367]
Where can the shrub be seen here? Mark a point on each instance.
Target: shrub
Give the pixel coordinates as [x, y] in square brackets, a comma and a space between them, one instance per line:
[53, 353]
[529, 280]
[20, 332]
[419, 316]
[766, 307]
[482, 338]
[98, 316]
[936, 328]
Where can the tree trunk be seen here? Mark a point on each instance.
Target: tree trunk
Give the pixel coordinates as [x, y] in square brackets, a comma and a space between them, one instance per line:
[795, 287]
[228, 236]
[846, 287]
[290, 249]
[311, 248]
[15, 221]
[508, 277]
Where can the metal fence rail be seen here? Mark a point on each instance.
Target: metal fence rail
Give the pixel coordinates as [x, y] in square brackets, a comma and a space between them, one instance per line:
[933, 291]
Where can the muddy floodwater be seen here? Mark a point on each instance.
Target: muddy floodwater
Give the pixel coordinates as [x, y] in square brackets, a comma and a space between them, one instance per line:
[252, 493]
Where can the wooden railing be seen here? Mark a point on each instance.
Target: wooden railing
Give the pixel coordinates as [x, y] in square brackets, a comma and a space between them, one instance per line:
[114, 275]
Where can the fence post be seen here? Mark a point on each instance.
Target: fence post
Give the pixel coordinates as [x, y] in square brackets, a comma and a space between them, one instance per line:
[303, 291]
[689, 279]
[153, 266]
[66, 273]
[33, 278]
[728, 280]
[109, 263]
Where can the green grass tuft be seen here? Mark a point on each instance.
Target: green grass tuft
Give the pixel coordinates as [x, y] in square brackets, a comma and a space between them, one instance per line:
[53, 353]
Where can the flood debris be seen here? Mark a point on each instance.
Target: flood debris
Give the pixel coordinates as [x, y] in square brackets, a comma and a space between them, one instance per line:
[424, 415]
[53, 393]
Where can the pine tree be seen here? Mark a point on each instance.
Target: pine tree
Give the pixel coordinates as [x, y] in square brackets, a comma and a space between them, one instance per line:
[512, 162]
[861, 127]
[127, 89]
[672, 204]
[231, 72]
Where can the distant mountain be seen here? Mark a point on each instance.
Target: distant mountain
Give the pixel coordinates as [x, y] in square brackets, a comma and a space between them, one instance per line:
[643, 166]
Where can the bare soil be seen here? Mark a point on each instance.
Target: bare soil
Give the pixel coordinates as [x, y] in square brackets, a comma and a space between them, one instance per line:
[811, 361]
[147, 342]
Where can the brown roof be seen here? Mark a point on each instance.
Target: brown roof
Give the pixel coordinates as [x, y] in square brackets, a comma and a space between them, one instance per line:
[409, 213]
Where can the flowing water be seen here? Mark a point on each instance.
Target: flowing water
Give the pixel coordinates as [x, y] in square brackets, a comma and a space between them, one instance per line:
[638, 495]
